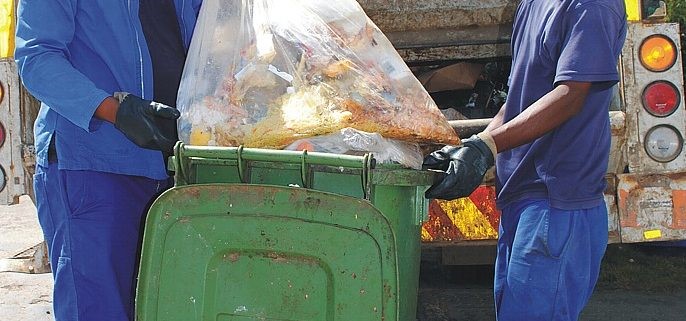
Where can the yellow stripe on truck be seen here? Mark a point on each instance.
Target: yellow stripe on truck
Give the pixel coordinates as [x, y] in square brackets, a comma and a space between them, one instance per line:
[6, 28]
[469, 219]
[426, 236]
[633, 10]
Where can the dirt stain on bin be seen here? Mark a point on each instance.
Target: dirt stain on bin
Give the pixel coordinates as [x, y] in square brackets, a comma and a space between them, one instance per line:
[232, 257]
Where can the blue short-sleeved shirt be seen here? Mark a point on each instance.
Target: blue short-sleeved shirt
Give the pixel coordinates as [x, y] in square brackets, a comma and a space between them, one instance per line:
[555, 41]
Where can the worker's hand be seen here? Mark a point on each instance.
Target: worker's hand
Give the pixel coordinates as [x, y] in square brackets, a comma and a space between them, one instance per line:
[147, 123]
[462, 168]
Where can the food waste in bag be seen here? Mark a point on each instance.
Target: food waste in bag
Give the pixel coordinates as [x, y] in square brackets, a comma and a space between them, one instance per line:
[266, 73]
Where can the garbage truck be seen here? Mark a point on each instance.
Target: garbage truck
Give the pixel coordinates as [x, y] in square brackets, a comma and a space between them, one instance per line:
[444, 41]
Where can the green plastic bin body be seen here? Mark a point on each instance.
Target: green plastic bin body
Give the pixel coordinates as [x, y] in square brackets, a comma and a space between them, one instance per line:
[250, 234]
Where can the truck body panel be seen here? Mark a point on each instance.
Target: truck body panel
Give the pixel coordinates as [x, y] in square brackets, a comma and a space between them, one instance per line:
[442, 30]
[652, 207]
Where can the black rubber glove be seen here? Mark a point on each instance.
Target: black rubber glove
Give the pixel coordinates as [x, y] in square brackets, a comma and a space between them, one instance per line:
[463, 168]
[147, 123]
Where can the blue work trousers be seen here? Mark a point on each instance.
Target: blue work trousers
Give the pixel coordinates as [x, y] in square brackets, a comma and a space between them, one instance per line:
[92, 223]
[548, 261]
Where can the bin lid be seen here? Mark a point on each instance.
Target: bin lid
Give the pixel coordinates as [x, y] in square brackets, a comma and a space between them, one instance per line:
[257, 252]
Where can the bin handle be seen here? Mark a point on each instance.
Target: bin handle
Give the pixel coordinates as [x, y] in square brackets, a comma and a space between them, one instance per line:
[304, 170]
[241, 164]
[179, 173]
[369, 163]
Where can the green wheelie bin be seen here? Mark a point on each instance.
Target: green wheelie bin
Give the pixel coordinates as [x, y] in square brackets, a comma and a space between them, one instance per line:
[254, 234]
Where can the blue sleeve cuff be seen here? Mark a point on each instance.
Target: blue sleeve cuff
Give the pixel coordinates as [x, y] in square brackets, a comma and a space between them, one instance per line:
[84, 120]
[585, 77]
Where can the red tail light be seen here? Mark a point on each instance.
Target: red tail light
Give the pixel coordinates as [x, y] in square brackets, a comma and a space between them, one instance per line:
[661, 98]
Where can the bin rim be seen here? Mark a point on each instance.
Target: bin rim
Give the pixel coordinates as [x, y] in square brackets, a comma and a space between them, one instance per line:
[371, 171]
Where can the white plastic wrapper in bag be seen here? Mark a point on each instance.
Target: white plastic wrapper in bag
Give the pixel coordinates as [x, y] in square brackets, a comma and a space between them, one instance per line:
[354, 142]
[265, 73]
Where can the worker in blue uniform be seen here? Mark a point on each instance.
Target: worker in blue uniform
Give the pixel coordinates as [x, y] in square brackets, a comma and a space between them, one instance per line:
[552, 141]
[107, 74]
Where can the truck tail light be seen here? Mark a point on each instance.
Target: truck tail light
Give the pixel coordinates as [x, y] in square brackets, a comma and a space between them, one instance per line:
[657, 53]
[663, 143]
[661, 98]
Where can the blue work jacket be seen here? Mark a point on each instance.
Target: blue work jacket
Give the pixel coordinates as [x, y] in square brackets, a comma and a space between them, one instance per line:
[71, 55]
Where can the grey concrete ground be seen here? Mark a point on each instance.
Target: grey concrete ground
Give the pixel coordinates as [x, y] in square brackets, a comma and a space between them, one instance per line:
[27, 297]
[23, 297]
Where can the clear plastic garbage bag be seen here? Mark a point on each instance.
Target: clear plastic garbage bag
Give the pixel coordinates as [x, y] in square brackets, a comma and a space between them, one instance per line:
[265, 73]
[354, 142]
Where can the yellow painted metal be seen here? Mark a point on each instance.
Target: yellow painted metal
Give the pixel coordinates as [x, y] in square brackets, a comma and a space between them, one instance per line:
[469, 219]
[633, 10]
[6, 28]
[652, 234]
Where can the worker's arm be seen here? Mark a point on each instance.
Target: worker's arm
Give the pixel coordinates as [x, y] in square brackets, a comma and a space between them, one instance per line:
[44, 28]
[41, 54]
[463, 167]
[497, 120]
[546, 114]
[107, 110]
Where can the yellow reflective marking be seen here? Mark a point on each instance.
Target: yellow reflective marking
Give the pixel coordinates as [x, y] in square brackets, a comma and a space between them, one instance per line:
[6, 28]
[426, 236]
[652, 234]
[633, 10]
[468, 219]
